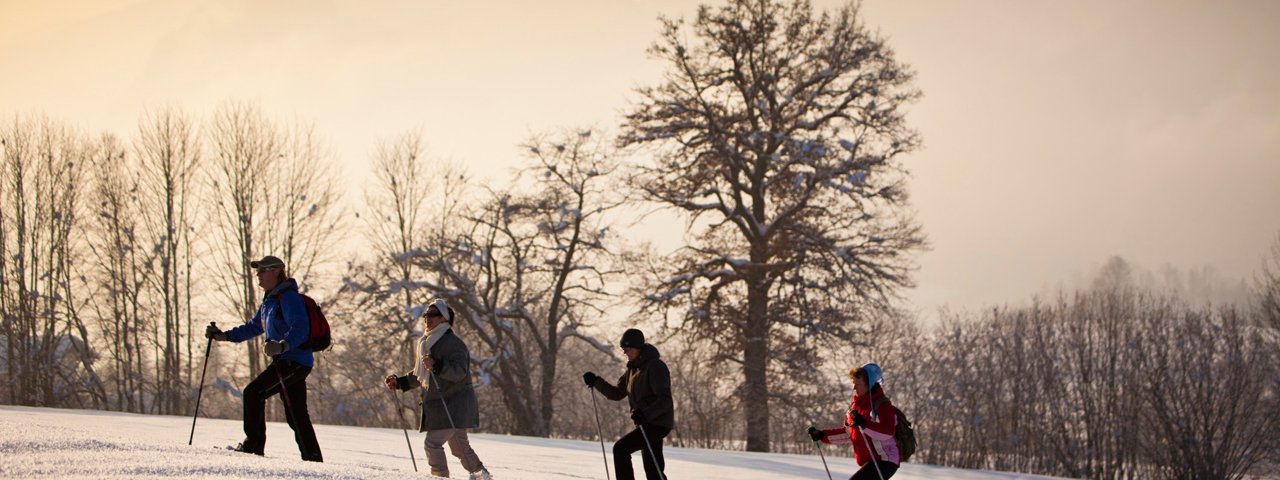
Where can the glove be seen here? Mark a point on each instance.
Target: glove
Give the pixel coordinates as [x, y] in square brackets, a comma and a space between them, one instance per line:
[589, 378]
[390, 381]
[856, 419]
[275, 348]
[212, 332]
[637, 416]
[815, 434]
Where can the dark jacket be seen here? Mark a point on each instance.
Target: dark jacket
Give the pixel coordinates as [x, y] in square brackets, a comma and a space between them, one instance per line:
[452, 373]
[647, 387]
[283, 317]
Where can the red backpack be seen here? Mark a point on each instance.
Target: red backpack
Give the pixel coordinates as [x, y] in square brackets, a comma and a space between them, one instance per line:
[319, 338]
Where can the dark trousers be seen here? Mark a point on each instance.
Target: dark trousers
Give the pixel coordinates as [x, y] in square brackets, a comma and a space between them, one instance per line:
[868, 471]
[633, 441]
[293, 377]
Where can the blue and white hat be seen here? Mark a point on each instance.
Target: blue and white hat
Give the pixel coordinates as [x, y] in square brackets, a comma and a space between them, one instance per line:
[873, 374]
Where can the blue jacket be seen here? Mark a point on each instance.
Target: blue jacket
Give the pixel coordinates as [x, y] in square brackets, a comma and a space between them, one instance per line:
[285, 318]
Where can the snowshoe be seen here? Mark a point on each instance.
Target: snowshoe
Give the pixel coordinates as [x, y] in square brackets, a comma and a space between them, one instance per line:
[240, 447]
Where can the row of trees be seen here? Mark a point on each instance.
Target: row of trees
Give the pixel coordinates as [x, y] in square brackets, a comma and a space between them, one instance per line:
[1102, 384]
[114, 253]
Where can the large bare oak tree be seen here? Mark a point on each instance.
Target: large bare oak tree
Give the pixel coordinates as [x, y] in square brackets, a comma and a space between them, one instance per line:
[777, 130]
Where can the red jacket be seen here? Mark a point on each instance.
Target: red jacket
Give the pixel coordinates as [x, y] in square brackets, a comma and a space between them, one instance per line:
[879, 429]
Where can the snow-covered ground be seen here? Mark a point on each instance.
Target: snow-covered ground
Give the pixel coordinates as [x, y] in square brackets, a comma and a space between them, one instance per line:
[53, 443]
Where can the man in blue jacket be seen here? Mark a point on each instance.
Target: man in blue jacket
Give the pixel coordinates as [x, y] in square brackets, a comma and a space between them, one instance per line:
[283, 317]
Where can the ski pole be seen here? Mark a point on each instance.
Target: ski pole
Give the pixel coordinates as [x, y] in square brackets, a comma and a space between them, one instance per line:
[599, 432]
[651, 455]
[824, 459]
[403, 427]
[200, 392]
[874, 462]
[284, 395]
[442, 402]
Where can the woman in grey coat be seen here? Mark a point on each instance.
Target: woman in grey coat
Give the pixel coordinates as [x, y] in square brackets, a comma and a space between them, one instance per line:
[449, 405]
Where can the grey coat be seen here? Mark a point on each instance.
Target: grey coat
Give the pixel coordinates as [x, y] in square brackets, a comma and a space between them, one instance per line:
[452, 376]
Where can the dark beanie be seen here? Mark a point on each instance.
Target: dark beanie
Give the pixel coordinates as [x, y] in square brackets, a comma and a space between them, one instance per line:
[632, 338]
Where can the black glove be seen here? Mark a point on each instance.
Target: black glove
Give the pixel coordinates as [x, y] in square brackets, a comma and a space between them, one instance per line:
[637, 416]
[212, 332]
[275, 348]
[815, 434]
[856, 419]
[589, 378]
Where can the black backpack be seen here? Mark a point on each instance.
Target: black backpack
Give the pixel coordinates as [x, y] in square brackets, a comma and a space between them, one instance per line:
[903, 434]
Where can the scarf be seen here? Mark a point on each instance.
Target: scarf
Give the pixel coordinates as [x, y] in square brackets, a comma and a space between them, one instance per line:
[425, 343]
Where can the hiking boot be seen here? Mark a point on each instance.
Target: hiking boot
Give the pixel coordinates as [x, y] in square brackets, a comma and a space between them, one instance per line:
[437, 473]
[483, 474]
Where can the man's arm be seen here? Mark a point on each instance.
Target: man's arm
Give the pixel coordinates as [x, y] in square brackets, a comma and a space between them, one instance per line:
[246, 331]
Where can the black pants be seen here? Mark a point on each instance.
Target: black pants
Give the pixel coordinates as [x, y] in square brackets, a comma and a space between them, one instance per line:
[294, 378]
[868, 471]
[633, 441]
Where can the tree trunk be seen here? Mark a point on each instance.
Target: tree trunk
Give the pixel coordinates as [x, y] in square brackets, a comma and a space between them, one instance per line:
[755, 363]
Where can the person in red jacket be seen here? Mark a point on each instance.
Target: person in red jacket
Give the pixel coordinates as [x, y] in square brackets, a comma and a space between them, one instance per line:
[869, 426]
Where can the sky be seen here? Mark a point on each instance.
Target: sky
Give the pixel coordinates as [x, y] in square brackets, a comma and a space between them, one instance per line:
[1056, 134]
[51, 443]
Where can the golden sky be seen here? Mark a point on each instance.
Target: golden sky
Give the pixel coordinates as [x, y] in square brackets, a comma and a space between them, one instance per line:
[1056, 133]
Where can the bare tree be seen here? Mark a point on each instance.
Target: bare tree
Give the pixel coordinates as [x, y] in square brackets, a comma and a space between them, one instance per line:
[367, 304]
[397, 221]
[778, 131]
[528, 270]
[168, 153]
[1210, 395]
[118, 267]
[408, 196]
[277, 194]
[1267, 286]
[20, 147]
[246, 156]
[41, 188]
[305, 217]
[571, 242]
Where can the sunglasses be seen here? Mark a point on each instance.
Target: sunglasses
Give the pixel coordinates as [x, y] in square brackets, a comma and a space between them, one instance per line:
[434, 313]
[266, 269]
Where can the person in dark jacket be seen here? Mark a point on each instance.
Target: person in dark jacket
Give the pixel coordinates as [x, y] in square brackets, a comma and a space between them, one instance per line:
[647, 387]
[449, 405]
[283, 318]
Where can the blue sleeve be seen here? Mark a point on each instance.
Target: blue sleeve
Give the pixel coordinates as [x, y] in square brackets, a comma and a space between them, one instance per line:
[295, 320]
[247, 330]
